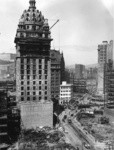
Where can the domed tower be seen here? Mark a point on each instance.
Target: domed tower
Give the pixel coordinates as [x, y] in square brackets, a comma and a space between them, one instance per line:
[33, 60]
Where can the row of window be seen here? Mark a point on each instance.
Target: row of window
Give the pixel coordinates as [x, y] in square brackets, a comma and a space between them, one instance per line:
[37, 35]
[65, 94]
[34, 88]
[65, 88]
[34, 98]
[34, 93]
[33, 67]
[34, 71]
[28, 60]
[28, 82]
[34, 77]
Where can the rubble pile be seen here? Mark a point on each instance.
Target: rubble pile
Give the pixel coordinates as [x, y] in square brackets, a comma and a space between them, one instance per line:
[33, 139]
[94, 126]
[42, 139]
[103, 132]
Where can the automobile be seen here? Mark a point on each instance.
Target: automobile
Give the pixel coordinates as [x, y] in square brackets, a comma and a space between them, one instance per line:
[86, 145]
[69, 120]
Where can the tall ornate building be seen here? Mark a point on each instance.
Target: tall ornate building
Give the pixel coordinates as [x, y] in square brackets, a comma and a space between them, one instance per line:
[33, 71]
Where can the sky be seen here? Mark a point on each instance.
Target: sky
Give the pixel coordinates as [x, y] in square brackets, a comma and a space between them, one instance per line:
[83, 24]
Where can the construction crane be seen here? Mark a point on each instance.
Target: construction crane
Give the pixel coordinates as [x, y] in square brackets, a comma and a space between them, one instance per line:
[54, 24]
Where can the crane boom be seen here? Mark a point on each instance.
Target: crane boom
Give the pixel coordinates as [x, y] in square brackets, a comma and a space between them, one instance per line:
[54, 24]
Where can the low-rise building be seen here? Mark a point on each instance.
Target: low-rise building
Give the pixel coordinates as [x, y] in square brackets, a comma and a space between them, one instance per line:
[7, 70]
[8, 56]
[66, 93]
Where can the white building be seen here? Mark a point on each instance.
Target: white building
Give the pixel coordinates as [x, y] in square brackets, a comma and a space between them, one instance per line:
[66, 91]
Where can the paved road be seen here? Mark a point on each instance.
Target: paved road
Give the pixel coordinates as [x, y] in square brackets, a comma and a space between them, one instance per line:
[82, 136]
[71, 136]
[75, 134]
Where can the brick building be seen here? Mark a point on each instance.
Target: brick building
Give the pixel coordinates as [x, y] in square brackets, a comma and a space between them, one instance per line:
[62, 65]
[33, 67]
[57, 68]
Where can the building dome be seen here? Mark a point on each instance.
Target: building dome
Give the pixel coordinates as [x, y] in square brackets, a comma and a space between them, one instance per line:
[32, 20]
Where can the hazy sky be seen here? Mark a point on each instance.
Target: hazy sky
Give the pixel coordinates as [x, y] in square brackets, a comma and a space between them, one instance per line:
[83, 25]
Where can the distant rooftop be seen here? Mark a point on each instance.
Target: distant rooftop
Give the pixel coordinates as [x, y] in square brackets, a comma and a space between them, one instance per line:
[64, 83]
[4, 62]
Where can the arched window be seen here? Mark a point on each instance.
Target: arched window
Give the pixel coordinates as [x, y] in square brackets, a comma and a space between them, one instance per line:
[34, 27]
[27, 14]
[27, 19]
[34, 15]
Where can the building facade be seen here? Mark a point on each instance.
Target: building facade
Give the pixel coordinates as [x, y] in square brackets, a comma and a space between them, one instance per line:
[3, 117]
[104, 54]
[91, 73]
[33, 66]
[55, 73]
[109, 85]
[7, 70]
[66, 93]
[79, 86]
[62, 66]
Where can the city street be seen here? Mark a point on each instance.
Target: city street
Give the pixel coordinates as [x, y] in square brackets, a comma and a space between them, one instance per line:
[72, 137]
[75, 133]
[84, 138]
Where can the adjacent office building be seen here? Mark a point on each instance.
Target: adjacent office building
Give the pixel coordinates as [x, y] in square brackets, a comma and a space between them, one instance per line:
[55, 73]
[33, 68]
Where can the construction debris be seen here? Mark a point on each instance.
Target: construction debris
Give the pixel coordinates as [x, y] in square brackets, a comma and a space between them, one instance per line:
[42, 139]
